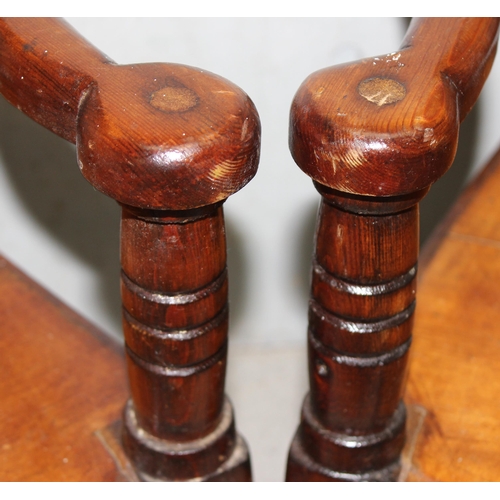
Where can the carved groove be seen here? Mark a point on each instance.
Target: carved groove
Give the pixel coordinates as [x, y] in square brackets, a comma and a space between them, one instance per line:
[360, 361]
[372, 205]
[177, 334]
[362, 327]
[308, 465]
[177, 298]
[236, 467]
[176, 447]
[219, 455]
[364, 290]
[173, 216]
[176, 371]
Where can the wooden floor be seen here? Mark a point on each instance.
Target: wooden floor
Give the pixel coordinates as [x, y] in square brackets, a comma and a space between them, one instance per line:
[63, 383]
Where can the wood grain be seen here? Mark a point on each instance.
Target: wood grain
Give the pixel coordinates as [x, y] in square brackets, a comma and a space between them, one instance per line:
[453, 368]
[137, 140]
[178, 424]
[374, 135]
[62, 381]
[383, 146]
[170, 143]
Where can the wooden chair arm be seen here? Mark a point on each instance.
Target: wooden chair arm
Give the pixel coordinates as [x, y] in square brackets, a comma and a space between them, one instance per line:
[388, 125]
[142, 131]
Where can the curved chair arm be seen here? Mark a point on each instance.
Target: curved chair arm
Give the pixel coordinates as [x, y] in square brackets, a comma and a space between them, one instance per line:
[388, 125]
[141, 130]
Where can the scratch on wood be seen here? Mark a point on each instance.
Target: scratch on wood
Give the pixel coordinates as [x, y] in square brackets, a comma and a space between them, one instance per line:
[415, 421]
[111, 440]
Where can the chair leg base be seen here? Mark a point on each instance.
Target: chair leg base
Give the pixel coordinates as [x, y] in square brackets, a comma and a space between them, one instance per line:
[220, 456]
[302, 468]
[319, 454]
[236, 468]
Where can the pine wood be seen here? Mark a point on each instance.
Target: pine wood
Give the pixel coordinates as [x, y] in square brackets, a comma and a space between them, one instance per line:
[142, 131]
[402, 137]
[374, 135]
[170, 143]
[62, 382]
[67, 382]
[453, 372]
[174, 290]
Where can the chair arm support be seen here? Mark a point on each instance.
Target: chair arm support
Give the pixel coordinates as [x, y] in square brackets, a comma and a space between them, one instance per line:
[374, 135]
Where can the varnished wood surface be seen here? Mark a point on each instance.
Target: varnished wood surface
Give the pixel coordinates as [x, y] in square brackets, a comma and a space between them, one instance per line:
[374, 135]
[454, 367]
[62, 380]
[157, 135]
[174, 291]
[388, 125]
[361, 315]
[170, 143]
[178, 424]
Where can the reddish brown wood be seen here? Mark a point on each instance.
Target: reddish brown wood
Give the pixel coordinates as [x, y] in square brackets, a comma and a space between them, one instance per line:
[374, 135]
[170, 143]
[388, 125]
[161, 136]
[175, 323]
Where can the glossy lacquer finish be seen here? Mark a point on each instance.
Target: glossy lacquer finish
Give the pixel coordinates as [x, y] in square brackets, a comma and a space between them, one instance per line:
[170, 143]
[374, 135]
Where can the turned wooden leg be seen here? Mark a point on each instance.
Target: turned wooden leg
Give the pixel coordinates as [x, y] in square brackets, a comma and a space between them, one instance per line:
[374, 135]
[178, 423]
[360, 322]
[169, 143]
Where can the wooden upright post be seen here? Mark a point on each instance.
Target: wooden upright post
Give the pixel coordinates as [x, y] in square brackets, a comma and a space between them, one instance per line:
[374, 135]
[169, 143]
[178, 424]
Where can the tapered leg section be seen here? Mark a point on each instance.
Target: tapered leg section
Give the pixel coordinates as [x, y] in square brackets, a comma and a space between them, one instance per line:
[170, 143]
[318, 454]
